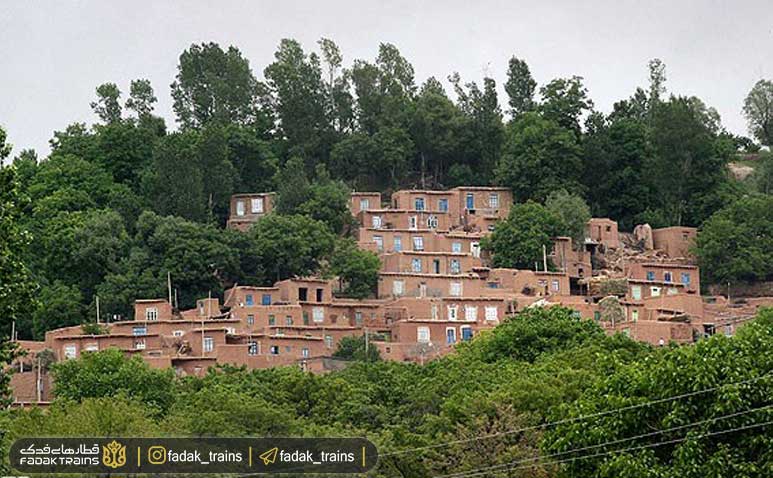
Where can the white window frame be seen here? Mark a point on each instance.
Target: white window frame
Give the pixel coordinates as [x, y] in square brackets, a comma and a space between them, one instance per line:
[418, 243]
[451, 329]
[209, 344]
[305, 352]
[253, 349]
[364, 204]
[397, 243]
[318, 314]
[475, 249]
[416, 264]
[70, 351]
[636, 292]
[655, 291]
[177, 333]
[492, 313]
[376, 222]
[455, 289]
[398, 287]
[555, 285]
[91, 347]
[453, 312]
[432, 222]
[635, 315]
[329, 341]
[434, 311]
[456, 266]
[461, 332]
[256, 205]
[493, 200]
[413, 222]
[151, 314]
[140, 344]
[240, 210]
[471, 313]
[456, 247]
[379, 240]
[423, 335]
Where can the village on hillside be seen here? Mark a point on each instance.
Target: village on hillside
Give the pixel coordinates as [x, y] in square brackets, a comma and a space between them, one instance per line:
[436, 289]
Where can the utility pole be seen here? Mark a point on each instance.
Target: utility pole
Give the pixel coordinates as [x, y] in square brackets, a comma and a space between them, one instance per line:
[366, 343]
[13, 331]
[544, 258]
[169, 285]
[209, 306]
[97, 297]
[39, 382]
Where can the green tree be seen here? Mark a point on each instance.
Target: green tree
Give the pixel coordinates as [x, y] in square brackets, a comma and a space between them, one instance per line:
[141, 99]
[287, 246]
[517, 241]
[520, 87]
[736, 242]
[539, 157]
[216, 85]
[357, 269]
[16, 285]
[219, 174]
[254, 162]
[353, 348]
[61, 306]
[109, 374]
[563, 101]
[573, 212]
[108, 106]
[175, 182]
[758, 110]
[763, 174]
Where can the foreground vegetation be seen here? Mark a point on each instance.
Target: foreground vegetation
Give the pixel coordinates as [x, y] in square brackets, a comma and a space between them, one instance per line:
[463, 412]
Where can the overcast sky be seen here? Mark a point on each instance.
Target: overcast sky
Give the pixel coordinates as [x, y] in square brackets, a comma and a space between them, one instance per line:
[53, 54]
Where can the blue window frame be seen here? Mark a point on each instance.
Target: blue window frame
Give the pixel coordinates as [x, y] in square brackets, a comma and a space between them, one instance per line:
[416, 265]
[139, 331]
[650, 275]
[442, 205]
[686, 278]
[470, 201]
[398, 244]
[266, 299]
[419, 203]
[450, 336]
[466, 333]
[249, 300]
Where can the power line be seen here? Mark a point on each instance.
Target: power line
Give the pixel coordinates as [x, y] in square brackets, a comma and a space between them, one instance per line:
[570, 420]
[613, 442]
[642, 447]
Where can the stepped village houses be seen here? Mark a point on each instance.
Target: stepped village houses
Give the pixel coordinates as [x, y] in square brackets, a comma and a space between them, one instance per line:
[435, 290]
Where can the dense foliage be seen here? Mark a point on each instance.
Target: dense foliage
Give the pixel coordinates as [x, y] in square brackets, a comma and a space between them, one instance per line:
[487, 405]
[118, 205]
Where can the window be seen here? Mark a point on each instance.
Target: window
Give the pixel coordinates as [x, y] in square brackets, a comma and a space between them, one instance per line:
[320, 294]
[729, 330]
[422, 335]
[358, 318]
[418, 243]
[329, 341]
[141, 330]
[475, 249]
[376, 221]
[252, 348]
[434, 312]
[597, 316]
[151, 313]
[456, 267]
[450, 335]
[635, 315]
[318, 314]
[250, 319]
[667, 276]
[655, 291]
[555, 285]
[686, 278]
[70, 351]
[456, 247]
[139, 344]
[305, 352]
[650, 275]
[416, 265]
[265, 299]
[442, 205]
[470, 201]
[493, 200]
[491, 313]
[364, 204]
[288, 320]
[466, 333]
[230, 330]
[672, 291]
[398, 287]
[274, 350]
[303, 294]
[636, 292]
[249, 300]
[470, 313]
[432, 222]
[257, 205]
[93, 347]
[305, 318]
[398, 245]
[413, 222]
[453, 312]
[379, 243]
[436, 266]
[288, 348]
[240, 208]
[419, 203]
[271, 320]
[177, 333]
[455, 289]
[209, 344]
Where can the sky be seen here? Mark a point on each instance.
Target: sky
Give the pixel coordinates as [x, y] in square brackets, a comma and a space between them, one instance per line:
[53, 54]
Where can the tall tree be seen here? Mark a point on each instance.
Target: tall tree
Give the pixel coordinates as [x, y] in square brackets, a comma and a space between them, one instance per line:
[539, 157]
[520, 87]
[175, 182]
[141, 98]
[215, 85]
[108, 106]
[758, 109]
[564, 100]
[573, 212]
[16, 286]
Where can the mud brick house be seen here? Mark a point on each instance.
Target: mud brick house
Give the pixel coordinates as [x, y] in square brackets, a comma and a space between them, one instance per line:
[435, 289]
